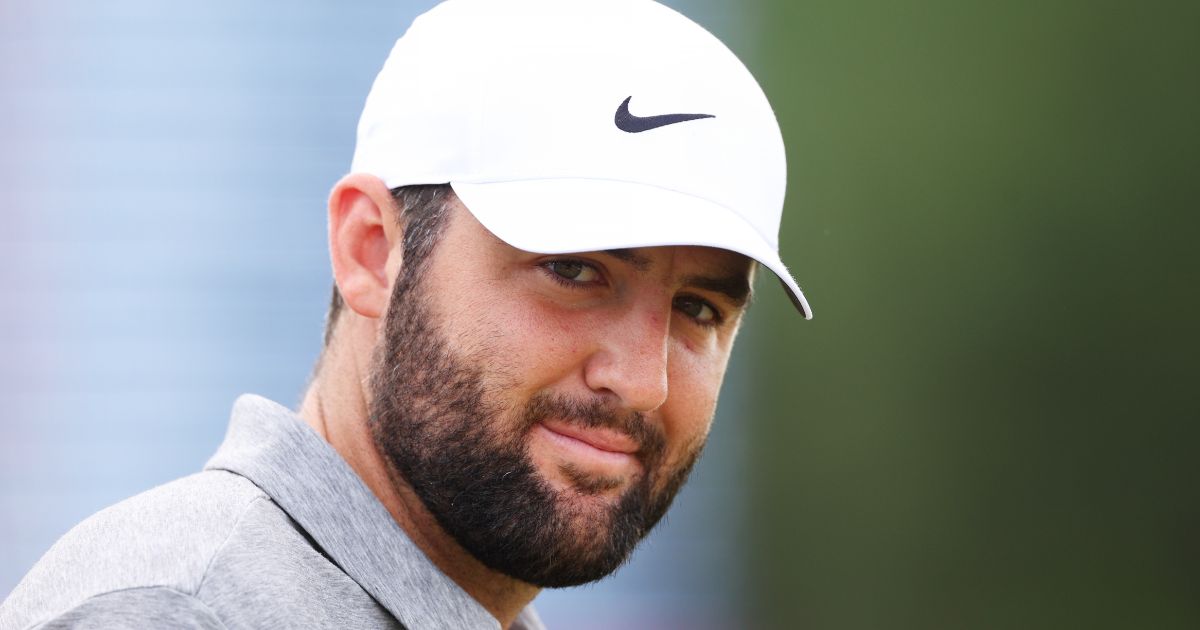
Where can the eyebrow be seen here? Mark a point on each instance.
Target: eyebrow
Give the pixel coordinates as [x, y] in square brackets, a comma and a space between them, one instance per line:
[734, 286]
[639, 262]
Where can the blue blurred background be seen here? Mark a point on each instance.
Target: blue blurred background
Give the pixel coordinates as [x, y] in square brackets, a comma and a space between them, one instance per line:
[991, 423]
[165, 170]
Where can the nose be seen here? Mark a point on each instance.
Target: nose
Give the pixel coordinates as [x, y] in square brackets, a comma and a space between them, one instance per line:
[631, 360]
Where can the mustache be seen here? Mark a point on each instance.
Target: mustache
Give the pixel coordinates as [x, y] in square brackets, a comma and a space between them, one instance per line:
[651, 441]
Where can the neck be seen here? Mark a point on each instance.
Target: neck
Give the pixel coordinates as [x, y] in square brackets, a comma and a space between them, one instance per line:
[335, 406]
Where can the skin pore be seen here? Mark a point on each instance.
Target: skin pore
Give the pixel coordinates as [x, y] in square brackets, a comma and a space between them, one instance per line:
[581, 387]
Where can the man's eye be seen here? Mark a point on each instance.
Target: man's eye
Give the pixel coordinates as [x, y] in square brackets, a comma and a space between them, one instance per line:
[574, 271]
[698, 309]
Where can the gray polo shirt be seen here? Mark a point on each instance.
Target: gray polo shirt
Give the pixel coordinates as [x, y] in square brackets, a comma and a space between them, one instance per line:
[276, 532]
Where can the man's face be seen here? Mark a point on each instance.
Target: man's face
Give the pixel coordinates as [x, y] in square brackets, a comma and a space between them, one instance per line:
[547, 408]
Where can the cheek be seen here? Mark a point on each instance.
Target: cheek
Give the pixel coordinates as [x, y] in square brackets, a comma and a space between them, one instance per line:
[698, 368]
[535, 343]
[695, 381]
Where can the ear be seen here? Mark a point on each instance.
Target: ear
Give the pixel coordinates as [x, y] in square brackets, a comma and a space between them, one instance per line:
[364, 238]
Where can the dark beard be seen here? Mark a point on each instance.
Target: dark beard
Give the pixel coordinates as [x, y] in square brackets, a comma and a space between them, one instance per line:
[465, 457]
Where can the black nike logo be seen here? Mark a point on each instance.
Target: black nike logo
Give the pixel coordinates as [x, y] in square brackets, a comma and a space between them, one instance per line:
[637, 124]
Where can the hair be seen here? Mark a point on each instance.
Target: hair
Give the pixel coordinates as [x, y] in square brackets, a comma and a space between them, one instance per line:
[421, 211]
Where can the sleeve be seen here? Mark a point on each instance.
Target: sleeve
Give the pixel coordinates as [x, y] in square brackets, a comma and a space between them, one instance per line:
[147, 607]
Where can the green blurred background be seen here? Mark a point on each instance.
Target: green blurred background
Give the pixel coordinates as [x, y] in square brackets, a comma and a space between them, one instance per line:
[991, 422]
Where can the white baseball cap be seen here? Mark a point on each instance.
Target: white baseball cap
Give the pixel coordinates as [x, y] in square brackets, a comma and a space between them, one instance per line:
[582, 125]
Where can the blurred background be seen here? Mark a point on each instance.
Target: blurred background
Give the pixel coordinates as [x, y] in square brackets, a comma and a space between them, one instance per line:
[991, 422]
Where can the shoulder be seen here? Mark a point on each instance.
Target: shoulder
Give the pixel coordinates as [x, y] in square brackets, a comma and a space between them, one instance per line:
[147, 607]
[162, 540]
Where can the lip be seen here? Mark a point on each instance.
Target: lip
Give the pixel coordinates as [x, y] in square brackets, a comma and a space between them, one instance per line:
[599, 438]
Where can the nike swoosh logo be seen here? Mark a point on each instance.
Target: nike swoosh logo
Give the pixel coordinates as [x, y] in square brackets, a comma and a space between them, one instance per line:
[637, 124]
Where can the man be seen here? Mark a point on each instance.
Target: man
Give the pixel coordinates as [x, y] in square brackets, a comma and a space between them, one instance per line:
[541, 255]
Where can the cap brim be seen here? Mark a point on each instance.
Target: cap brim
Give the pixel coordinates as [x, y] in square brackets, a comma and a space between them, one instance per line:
[560, 216]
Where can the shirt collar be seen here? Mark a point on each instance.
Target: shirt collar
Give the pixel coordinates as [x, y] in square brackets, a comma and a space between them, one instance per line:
[282, 455]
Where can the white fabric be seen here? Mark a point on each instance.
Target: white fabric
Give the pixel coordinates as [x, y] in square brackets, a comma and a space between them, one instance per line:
[513, 102]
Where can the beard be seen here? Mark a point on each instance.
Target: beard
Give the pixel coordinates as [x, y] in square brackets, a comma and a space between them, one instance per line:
[440, 423]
